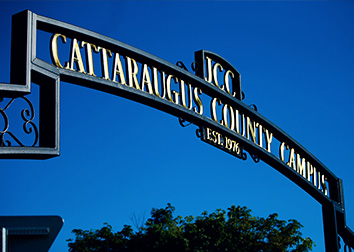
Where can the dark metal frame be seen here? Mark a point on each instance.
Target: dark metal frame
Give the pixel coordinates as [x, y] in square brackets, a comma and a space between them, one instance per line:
[27, 68]
[24, 71]
[28, 233]
[200, 71]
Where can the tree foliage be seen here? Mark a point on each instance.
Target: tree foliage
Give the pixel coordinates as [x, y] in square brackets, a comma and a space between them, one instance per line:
[232, 230]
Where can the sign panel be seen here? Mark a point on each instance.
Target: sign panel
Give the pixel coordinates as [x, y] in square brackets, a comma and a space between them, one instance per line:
[222, 142]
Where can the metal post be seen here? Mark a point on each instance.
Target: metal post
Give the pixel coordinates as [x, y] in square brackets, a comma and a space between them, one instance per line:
[3, 239]
[330, 228]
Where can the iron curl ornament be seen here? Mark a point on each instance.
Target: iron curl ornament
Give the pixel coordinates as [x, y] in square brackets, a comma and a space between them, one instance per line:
[29, 127]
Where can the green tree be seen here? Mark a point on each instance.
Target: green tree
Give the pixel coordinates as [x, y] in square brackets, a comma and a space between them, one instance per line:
[232, 230]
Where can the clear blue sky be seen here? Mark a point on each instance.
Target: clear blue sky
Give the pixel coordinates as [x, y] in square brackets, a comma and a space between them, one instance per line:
[120, 158]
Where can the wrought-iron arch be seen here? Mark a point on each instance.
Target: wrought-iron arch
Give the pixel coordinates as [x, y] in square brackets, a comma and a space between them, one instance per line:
[225, 132]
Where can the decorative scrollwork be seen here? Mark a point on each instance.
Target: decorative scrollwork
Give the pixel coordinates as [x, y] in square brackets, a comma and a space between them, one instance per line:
[28, 126]
[243, 95]
[198, 133]
[195, 66]
[255, 158]
[181, 65]
[244, 156]
[254, 107]
[183, 122]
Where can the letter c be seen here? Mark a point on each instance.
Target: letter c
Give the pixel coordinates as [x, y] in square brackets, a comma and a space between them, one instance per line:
[54, 48]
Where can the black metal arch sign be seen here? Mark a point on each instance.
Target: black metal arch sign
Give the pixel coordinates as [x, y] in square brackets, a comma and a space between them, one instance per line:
[210, 98]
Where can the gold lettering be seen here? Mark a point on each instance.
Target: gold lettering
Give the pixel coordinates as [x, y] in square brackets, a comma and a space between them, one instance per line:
[232, 145]
[291, 162]
[251, 129]
[145, 79]
[75, 57]
[213, 108]
[198, 101]
[156, 83]
[237, 119]
[163, 84]
[118, 69]
[226, 80]
[225, 113]
[323, 184]
[300, 165]
[183, 94]
[168, 87]
[309, 171]
[269, 138]
[215, 73]
[208, 134]
[215, 136]
[54, 48]
[219, 138]
[281, 151]
[176, 96]
[132, 72]
[260, 135]
[242, 123]
[314, 177]
[228, 143]
[209, 75]
[244, 126]
[89, 60]
[104, 61]
[190, 97]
